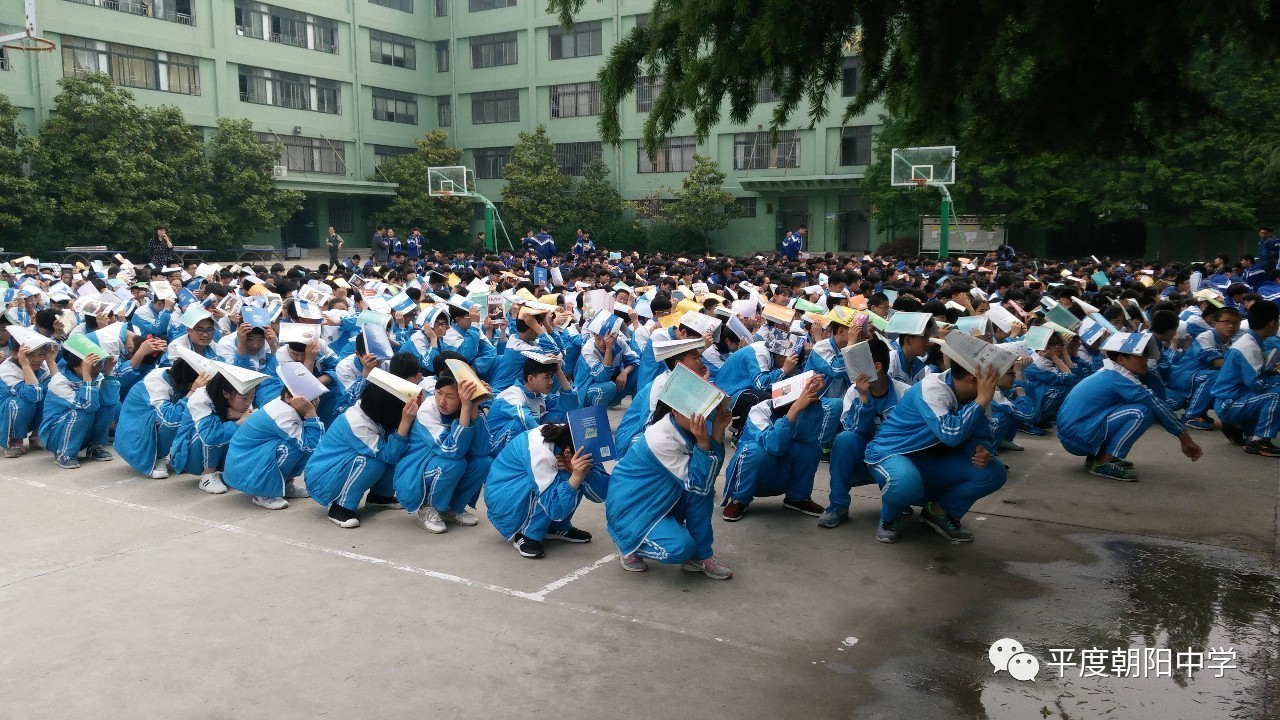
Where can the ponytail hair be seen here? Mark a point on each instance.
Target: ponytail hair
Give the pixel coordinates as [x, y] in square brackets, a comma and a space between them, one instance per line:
[558, 434]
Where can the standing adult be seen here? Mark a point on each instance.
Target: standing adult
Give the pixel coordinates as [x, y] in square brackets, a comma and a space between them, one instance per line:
[335, 244]
[793, 244]
[160, 247]
[1268, 249]
[379, 246]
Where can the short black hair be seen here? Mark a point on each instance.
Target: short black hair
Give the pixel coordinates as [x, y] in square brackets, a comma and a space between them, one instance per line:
[1263, 313]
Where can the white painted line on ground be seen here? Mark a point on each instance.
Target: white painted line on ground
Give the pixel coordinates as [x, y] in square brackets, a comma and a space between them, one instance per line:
[112, 484]
[575, 575]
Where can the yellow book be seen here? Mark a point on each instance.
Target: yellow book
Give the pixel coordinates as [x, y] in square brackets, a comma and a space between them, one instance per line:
[462, 371]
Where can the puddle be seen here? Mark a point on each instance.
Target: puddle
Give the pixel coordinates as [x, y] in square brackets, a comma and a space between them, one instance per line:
[1138, 596]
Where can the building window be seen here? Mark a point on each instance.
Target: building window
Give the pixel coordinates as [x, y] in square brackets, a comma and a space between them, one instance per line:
[746, 207]
[855, 145]
[647, 88]
[495, 107]
[442, 56]
[341, 216]
[383, 153]
[583, 41]
[4, 61]
[395, 50]
[642, 19]
[849, 76]
[490, 162]
[575, 100]
[651, 208]
[753, 151]
[287, 27]
[481, 5]
[130, 66]
[444, 111]
[764, 93]
[442, 8]
[572, 158]
[305, 154]
[177, 11]
[296, 92]
[393, 106]
[493, 50]
[674, 155]
[404, 5]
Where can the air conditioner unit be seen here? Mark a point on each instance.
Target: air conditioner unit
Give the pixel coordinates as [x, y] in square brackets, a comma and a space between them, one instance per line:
[280, 171]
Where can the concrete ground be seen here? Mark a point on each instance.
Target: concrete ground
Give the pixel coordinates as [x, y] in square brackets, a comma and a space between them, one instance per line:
[126, 597]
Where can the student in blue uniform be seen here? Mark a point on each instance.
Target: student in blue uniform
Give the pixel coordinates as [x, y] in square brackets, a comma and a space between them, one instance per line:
[865, 406]
[826, 358]
[1049, 376]
[151, 414]
[214, 412]
[532, 334]
[1012, 407]
[670, 353]
[751, 370]
[1195, 372]
[79, 406]
[360, 449]
[779, 453]
[545, 396]
[272, 447]
[535, 485]
[1246, 392]
[467, 340]
[1105, 414]
[661, 494]
[448, 456]
[22, 386]
[605, 372]
[935, 451]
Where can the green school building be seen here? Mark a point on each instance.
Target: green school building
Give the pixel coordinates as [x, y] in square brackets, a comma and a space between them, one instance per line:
[344, 84]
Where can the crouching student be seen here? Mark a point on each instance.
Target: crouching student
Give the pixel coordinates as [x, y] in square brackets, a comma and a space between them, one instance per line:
[273, 445]
[668, 352]
[605, 373]
[535, 485]
[1105, 414]
[779, 452]
[360, 449]
[151, 414]
[22, 386]
[934, 451]
[1012, 407]
[214, 413]
[80, 405]
[865, 406]
[1049, 376]
[662, 493]
[545, 395]
[1246, 392]
[448, 456]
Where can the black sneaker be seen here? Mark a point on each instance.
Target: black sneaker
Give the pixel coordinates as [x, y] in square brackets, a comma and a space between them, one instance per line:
[945, 525]
[573, 535]
[1265, 448]
[1235, 434]
[527, 547]
[381, 500]
[343, 517]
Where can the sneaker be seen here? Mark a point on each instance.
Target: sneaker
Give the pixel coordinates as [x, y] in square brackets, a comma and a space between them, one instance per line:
[528, 547]
[908, 511]
[1265, 448]
[389, 501]
[33, 443]
[945, 525]
[270, 503]
[15, 451]
[1010, 446]
[572, 535]
[1113, 471]
[1235, 434]
[733, 511]
[212, 483]
[99, 453]
[160, 471]
[806, 506]
[463, 518]
[887, 532]
[1200, 423]
[1123, 463]
[826, 454]
[431, 521]
[295, 488]
[633, 563]
[1031, 430]
[66, 463]
[343, 517]
[711, 567]
[832, 517]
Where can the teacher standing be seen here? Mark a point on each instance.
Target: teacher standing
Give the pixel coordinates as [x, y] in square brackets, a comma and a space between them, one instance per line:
[160, 247]
[335, 244]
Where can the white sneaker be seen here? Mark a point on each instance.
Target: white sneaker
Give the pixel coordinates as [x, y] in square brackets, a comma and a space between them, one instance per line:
[212, 483]
[463, 518]
[295, 488]
[160, 472]
[271, 503]
[430, 519]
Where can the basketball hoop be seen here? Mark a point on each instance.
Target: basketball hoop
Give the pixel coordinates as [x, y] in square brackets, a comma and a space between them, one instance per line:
[920, 182]
[39, 44]
[443, 194]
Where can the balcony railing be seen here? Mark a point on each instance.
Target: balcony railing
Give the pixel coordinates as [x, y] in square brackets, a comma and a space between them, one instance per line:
[145, 8]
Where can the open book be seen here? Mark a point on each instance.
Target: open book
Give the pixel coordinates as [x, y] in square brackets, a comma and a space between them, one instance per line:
[785, 392]
[688, 394]
[589, 428]
[972, 353]
[858, 361]
[462, 371]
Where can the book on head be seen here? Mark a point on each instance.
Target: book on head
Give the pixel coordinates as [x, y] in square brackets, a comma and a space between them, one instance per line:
[589, 428]
[688, 394]
[858, 361]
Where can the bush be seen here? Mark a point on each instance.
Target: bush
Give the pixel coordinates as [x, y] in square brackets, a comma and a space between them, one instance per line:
[673, 240]
[904, 246]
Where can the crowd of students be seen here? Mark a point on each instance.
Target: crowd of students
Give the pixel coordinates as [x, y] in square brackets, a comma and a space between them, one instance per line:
[429, 383]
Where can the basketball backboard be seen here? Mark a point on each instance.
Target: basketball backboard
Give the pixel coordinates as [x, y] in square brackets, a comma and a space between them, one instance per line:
[448, 181]
[27, 38]
[923, 165]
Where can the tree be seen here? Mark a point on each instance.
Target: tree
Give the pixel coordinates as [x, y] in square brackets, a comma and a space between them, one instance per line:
[597, 202]
[241, 187]
[21, 208]
[1029, 75]
[537, 193]
[702, 205]
[439, 220]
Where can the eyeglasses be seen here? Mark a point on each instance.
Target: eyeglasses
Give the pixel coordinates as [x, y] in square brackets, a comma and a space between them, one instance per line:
[1226, 322]
[202, 331]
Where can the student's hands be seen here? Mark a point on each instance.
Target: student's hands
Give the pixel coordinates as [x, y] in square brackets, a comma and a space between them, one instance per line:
[109, 366]
[943, 332]
[312, 352]
[87, 366]
[698, 427]
[408, 414]
[201, 380]
[21, 357]
[169, 304]
[302, 406]
[1020, 366]
[790, 364]
[863, 385]
[1189, 447]
[242, 339]
[812, 391]
[621, 382]
[721, 422]
[981, 457]
[579, 467]
[368, 362]
[272, 340]
[987, 378]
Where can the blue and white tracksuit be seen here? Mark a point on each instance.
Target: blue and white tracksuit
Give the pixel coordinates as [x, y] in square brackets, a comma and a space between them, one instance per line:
[21, 404]
[355, 456]
[149, 420]
[777, 457]
[859, 423]
[446, 463]
[202, 437]
[527, 494]
[271, 447]
[78, 414]
[1108, 411]
[1244, 393]
[515, 410]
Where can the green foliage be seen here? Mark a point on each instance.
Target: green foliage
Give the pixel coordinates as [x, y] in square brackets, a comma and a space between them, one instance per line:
[702, 205]
[240, 186]
[901, 247]
[537, 193]
[445, 223]
[596, 202]
[20, 207]
[1030, 76]
[673, 240]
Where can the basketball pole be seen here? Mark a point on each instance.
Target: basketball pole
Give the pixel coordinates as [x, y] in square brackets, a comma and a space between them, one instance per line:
[944, 217]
